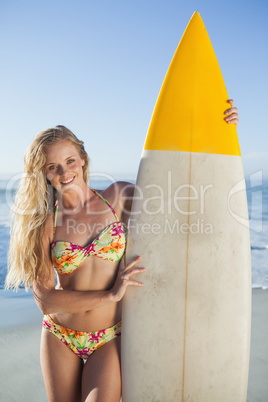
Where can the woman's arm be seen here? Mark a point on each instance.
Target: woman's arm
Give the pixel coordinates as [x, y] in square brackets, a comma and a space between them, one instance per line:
[69, 301]
[51, 300]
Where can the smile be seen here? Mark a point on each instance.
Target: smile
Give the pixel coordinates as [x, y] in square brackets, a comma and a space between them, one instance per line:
[68, 181]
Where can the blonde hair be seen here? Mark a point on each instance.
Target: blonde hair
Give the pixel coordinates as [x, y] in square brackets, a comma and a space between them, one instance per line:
[34, 201]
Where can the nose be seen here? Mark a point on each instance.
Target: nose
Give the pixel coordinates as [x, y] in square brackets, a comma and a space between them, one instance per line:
[61, 170]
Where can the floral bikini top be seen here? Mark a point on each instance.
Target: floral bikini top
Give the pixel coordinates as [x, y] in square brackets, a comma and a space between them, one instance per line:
[110, 245]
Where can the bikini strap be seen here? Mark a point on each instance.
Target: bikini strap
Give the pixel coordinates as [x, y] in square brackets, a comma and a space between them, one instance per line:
[107, 202]
[56, 206]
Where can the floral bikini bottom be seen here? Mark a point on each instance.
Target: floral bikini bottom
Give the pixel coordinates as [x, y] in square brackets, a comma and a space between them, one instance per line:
[82, 343]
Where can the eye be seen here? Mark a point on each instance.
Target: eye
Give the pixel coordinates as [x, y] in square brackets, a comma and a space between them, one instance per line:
[70, 161]
[51, 167]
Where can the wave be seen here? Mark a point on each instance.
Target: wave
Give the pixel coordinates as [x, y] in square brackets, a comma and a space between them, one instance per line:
[265, 247]
[5, 224]
[262, 287]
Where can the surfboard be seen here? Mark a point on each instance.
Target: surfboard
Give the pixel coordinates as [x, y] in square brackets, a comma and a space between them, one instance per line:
[186, 333]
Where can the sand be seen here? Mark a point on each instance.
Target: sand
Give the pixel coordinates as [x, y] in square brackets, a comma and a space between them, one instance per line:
[258, 366]
[20, 328]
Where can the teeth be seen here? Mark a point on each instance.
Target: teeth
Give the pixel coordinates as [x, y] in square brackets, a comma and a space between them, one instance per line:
[68, 181]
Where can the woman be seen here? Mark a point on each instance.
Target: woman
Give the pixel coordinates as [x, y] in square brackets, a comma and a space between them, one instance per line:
[81, 232]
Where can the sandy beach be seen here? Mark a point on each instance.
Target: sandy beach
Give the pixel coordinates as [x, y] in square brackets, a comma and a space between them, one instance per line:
[20, 328]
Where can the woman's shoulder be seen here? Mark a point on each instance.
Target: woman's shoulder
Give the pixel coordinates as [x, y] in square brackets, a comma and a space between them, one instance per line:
[120, 195]
[118, 190]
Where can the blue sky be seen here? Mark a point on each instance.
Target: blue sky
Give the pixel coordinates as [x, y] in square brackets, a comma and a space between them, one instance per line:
[98, 66]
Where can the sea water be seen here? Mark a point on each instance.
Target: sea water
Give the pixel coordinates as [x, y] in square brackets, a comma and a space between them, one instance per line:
[257, 195]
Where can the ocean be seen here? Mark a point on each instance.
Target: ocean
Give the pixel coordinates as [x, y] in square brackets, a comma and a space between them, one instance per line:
[257, 194]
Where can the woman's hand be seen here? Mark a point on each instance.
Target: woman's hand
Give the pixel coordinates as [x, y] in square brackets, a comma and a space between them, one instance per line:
[123, 278]
[232, 113]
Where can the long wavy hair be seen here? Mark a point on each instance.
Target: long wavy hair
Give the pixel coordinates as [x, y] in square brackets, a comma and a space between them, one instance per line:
[33, 203]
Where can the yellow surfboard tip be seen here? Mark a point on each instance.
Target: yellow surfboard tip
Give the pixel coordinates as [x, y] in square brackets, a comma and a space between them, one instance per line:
[193, 85]
[196, 15]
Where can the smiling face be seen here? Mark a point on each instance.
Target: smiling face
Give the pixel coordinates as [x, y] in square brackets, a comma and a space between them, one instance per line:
[64, 166]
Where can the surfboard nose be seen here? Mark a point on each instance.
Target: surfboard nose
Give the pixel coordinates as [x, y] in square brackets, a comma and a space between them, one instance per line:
[190, 106]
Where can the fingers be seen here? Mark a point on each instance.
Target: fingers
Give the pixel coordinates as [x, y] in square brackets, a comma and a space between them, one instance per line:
[232, 114]
[130, 264]
[231, 117]
[231, 110]
[134, 283]
[125, 277]
[131, 271]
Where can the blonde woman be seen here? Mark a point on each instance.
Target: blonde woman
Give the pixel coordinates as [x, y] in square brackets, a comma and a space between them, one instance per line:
[82, 232]
[63, 224]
